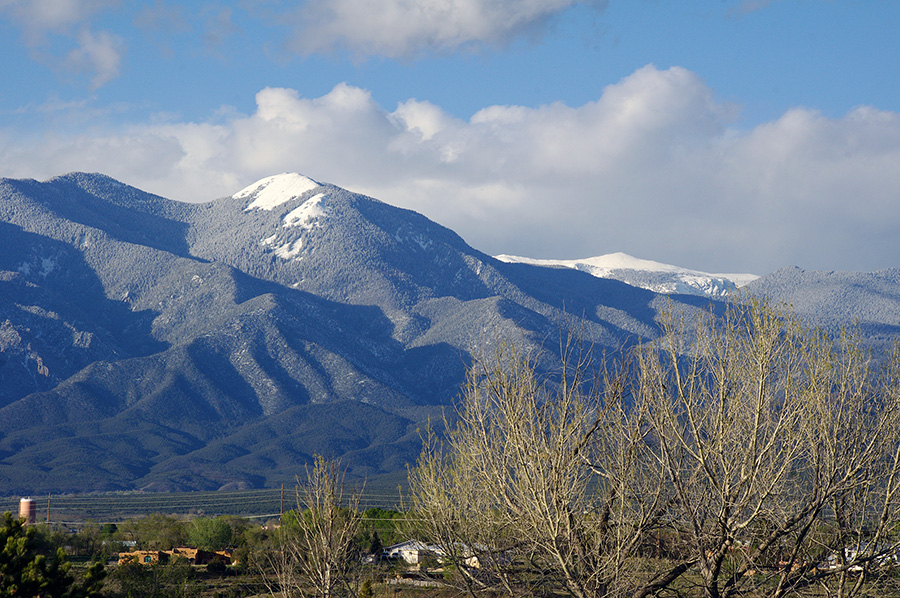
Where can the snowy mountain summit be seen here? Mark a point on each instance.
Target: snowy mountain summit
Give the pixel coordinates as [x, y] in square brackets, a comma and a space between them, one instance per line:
[303, 205]
[274, 193]
[647, 274]
[271, 192]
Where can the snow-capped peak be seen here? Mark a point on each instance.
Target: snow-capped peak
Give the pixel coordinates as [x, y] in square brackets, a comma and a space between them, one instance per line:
[623, 261]
[647, 274]
[271, 192]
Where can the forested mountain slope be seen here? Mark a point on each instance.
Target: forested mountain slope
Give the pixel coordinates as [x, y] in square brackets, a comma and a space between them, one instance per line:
[147, 343]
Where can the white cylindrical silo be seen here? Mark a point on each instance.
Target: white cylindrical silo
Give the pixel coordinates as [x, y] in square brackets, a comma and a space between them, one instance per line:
[28, 510]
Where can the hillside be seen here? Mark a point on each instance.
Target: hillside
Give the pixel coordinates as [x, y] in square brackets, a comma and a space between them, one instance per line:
[867, 301]
[152, 344]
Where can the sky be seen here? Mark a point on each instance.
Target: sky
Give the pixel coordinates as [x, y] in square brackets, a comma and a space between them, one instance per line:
[719, 135]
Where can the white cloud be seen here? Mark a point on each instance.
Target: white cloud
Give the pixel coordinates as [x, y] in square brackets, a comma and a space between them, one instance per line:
[96, 54]
[400, 28]
[99, 54]
[423, 118]
[37, 17]
[654, 167]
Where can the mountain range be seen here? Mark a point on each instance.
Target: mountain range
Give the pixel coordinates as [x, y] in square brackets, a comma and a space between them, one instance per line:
[148, 344]
[647, 274]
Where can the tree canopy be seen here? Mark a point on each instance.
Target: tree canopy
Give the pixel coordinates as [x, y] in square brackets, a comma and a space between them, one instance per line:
[27, 570]
[742, 452]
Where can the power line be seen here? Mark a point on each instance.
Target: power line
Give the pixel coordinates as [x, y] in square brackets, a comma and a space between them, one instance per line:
[112, 507]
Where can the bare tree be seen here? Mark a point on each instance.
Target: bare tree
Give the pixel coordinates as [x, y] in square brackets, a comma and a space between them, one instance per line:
[855, 442]
[278, 568]
[778, 444]
[758, 455]
[539, 480]
[451, 513]
[316, 540]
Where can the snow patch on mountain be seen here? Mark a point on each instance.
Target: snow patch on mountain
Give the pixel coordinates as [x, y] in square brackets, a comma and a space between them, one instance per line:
[271, 192]
[647, 274]
[305, 215]
[289, 250]
[285, 251]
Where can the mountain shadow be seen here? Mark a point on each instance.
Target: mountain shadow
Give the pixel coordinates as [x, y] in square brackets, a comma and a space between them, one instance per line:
[55, 318]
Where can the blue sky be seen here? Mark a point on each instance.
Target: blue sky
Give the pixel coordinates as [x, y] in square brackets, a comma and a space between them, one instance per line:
[723, 135]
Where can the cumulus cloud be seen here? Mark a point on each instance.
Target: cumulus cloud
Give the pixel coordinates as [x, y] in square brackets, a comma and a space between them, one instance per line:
[654, 167]
[401, 28]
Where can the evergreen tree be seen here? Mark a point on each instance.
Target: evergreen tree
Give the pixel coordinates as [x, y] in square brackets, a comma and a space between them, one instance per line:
[26, 571]
[376, 546]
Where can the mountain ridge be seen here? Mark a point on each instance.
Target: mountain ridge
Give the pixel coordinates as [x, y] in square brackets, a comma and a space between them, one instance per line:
[148, 344]
[647, 274]
[178, 328]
